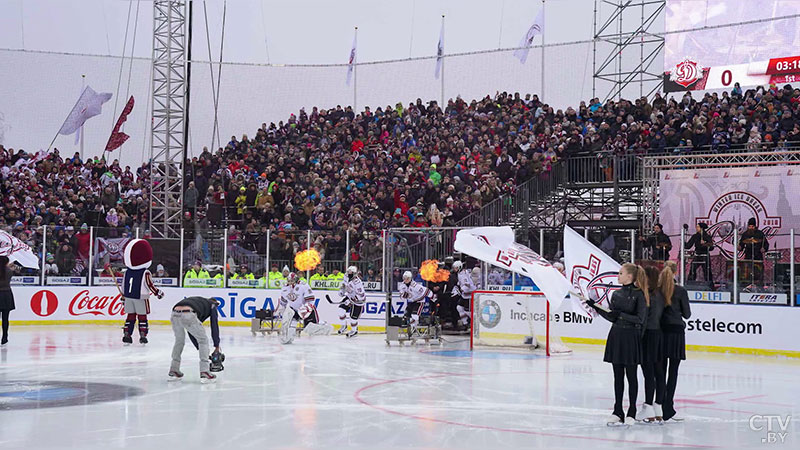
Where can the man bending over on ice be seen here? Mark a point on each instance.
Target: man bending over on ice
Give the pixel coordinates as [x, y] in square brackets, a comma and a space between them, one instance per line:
[137, 285]
[188, 316]
[414, 294]
[463, 291]
[297, 303]
[353, 299]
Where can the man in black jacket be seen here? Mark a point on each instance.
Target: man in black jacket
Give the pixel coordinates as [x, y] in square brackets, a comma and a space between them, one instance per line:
[753, 243]
[659, 243]
[701, 241]
[188, 315]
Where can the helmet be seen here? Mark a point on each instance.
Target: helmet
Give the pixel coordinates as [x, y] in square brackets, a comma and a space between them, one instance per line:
[457, 265]
[352, 270]
[407, 275]
[292, 278]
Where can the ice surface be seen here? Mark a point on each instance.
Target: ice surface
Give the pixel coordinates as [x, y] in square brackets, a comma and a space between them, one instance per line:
[330, 391]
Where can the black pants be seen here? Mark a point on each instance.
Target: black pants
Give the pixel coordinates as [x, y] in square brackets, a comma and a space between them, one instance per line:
[654, 382]
[5, 324]
[670, 368]
[620, 373]
[702, 262]
[448, 311]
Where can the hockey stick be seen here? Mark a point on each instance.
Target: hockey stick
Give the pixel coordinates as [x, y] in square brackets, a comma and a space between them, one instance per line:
[113, 277]
[328, 298]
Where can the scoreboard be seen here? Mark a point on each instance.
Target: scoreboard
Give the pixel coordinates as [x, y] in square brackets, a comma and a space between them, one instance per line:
[688, 75]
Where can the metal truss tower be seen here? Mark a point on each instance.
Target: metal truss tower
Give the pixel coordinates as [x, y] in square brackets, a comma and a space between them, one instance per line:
[169, 116]
[624, 45]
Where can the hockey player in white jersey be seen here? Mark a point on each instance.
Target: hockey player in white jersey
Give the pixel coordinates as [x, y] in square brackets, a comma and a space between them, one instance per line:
[353, 298]
[464, 288]
[297, 303]
[414, 294]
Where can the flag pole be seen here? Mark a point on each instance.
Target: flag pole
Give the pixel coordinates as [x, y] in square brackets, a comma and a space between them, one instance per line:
[441, 106]
[502, 15]
[543, 28]
[355, 76]
[83, 86]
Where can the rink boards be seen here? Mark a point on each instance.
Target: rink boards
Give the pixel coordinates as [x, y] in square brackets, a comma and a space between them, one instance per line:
[767, 330]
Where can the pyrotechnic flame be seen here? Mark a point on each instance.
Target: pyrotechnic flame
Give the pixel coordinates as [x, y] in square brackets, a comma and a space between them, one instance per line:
[307, 260]
[430, 271]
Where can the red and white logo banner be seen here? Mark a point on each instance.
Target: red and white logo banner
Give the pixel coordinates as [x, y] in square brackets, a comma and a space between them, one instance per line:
[496, 246]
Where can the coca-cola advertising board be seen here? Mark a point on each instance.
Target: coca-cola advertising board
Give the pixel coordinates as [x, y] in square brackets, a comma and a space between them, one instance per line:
[104, 303]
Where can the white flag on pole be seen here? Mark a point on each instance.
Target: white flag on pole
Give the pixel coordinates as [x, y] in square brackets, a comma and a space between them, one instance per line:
[589, 270]
[88, 105]
[496, 246]
[440, 51]
[536, 29]
[18, 251]
[351, 63]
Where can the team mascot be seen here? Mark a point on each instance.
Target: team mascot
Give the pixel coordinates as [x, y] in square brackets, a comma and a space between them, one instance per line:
[137, 287]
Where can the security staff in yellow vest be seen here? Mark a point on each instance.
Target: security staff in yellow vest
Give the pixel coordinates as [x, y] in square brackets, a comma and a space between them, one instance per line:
[243, 274]
[220, 277]
[336, 277]
[275, 278]
[319, 276]
[196, 271]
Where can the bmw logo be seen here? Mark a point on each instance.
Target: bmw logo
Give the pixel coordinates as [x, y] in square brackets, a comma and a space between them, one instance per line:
[489, 314]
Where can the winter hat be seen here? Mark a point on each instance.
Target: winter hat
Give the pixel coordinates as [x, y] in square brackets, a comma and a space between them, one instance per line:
[752, 221]
[138, 254]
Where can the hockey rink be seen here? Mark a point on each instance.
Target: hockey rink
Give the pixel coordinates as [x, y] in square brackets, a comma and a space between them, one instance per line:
[78, 387]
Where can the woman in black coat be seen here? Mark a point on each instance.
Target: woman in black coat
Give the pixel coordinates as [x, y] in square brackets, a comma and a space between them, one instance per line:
[653, 351]
[627, 311]
[673, 327]
[6, 296]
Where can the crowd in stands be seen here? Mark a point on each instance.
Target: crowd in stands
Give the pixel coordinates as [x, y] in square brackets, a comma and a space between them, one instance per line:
[408, 165]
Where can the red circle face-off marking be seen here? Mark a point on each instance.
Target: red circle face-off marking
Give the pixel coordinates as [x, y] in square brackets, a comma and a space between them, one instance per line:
[44, 303]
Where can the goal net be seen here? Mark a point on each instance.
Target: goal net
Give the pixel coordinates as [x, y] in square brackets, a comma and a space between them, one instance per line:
[514, 320]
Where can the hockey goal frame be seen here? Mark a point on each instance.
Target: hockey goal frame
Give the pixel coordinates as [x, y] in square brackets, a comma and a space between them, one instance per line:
[473, 308]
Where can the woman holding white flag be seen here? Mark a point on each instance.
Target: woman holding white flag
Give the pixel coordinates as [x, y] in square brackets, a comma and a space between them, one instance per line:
[6, 296]
[627, 313]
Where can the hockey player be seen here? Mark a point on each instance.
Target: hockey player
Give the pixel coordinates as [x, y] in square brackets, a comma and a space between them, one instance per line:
[137, 285]
[414, 294]
[463, 291]
[353, 299]
[297, 303]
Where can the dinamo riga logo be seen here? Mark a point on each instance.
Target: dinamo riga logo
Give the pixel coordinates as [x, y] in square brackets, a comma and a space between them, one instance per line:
[686, 72]
[598, 285]
[490, 314]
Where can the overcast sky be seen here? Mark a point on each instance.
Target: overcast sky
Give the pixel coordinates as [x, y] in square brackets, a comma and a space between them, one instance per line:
[296, 32]
[276, 32]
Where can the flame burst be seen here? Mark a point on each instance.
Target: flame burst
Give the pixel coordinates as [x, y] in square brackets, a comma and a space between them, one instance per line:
[430, 271]
[307, 260]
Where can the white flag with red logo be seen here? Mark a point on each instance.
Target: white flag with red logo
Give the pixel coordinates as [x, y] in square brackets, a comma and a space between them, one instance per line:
[590, 271]
[496, 246]
[18, 251]
[89, 104]
[536, 29]
[351, 62]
